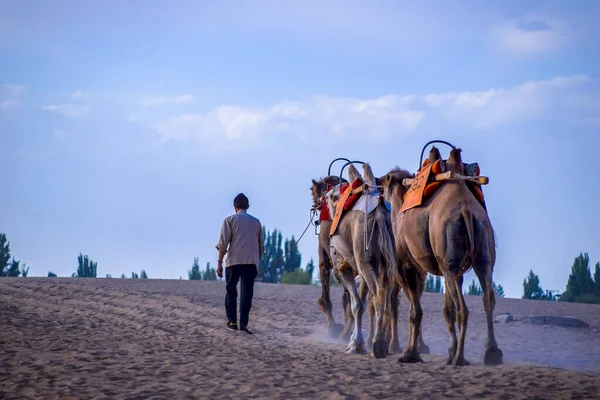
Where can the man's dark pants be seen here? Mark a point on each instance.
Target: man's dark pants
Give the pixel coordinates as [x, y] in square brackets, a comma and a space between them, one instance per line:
[234, 273]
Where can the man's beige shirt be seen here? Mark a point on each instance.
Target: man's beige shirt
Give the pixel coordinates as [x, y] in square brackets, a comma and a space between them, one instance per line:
[241, 238]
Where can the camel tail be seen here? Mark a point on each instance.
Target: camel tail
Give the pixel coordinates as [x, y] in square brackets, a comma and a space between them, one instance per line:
[468, 218]
[386, 243]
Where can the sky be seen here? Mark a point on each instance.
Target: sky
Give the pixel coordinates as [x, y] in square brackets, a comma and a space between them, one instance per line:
[128, 127]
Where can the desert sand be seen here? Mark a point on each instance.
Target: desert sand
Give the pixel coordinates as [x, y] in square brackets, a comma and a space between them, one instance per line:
[166, 339]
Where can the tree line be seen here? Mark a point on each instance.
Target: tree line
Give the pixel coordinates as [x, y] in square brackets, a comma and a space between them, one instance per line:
[581, 286]
[434, 284]
[281, 263]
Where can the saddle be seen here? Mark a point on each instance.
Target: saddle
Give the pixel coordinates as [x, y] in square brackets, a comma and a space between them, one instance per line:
[350, 194]
[431, 176]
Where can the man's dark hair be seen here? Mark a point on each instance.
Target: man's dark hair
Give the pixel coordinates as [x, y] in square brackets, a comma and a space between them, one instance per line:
[241, 202]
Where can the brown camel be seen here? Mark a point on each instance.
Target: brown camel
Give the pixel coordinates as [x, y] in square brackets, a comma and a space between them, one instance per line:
[449, 233]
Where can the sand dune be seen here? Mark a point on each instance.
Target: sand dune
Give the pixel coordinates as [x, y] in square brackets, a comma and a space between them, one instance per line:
[165, 339]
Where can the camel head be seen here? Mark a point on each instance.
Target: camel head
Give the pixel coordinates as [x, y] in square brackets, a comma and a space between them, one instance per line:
[392, 183]
[318, 188]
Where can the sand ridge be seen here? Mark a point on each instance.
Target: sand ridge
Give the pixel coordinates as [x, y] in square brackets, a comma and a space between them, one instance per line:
[138, 338]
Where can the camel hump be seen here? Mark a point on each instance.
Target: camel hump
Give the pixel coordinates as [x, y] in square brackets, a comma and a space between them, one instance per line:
[454, 162]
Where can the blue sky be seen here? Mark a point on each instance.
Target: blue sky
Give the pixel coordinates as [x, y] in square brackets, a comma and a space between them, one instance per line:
[126, 128]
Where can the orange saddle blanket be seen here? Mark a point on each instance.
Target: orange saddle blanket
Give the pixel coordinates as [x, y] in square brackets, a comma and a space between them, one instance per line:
[346, 201]
[423, 185]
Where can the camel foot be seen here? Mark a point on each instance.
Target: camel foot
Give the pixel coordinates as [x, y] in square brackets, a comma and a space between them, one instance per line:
[458, 362]
[335, 330]
[346, 334]
[356, 347]
[410, 358]
[493, 357]
[423, 349]
[395, 347]
[380, 349]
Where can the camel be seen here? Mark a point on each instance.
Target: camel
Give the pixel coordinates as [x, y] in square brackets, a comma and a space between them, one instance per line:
[375, 262]
[448, 234]
[318, 190]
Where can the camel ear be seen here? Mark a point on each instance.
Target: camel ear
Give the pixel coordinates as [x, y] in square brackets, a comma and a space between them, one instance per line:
[388, 178]
[314, 182]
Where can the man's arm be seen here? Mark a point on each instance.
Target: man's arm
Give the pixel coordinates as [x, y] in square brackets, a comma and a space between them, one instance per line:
[224, 240]
[261, 244]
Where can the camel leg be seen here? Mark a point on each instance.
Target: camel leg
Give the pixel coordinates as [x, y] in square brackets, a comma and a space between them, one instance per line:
[357, 341]
[454, 285]
[364, 292]
[493, 355]
[450, 317]
[423, 348]
[393, 339]
[412, 289]
[324, 301]
[348, 313]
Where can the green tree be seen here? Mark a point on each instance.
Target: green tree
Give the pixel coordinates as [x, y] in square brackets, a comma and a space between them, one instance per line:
[531, 287]
[310, 269]
[597, 279]
[498, 289]
[433, 284]
[108, 276]
[86, 268]
[134, 275]
[438, 288]
[24, 270]
[8, 267]
[4, 255]
[581, 288]
[195, 274]
[51, 274]
[13, 269]
[272, 257]
[210, 274]
[474, 289]
[123, 276]
[296, 277]
[580, 281]
[293, 259]
[143, 275]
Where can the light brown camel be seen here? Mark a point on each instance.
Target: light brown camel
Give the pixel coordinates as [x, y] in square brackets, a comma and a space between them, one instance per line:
[363, 245]
[318, 190]
[449, 233]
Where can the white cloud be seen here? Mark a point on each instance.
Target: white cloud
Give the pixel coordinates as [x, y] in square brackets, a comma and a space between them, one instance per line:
[71, 110]
[531, 34]
[496, 107]
[162, 100]
[12, 89]
[330, 116]
[80, 94]
[342, 118]
[4, 104]
[10, 95]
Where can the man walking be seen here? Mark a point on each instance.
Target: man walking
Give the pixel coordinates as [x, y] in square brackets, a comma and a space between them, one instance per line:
[241, 239]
